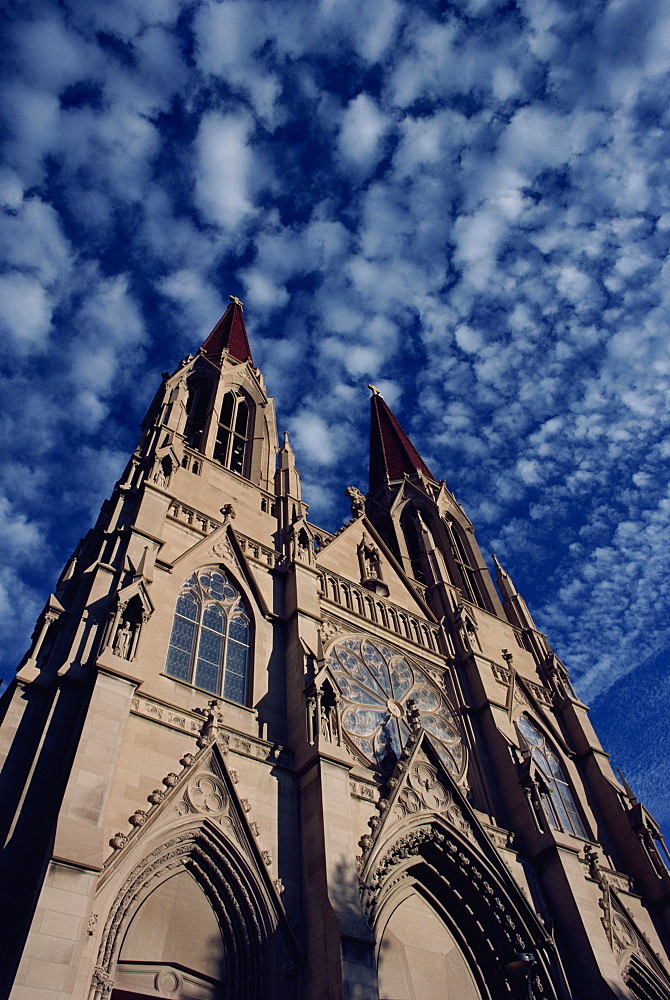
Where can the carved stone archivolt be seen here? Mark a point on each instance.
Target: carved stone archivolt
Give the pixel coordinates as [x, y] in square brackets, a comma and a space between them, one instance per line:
[206, 831]
[495, 904]
[423, 825]
[624, 938]
[235, 906]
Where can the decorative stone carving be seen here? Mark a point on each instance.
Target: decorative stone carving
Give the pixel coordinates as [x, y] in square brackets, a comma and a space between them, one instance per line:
[228, 512]
[213, 719]
[357, 500]
[206, 795]
[167, 981]
[222, 549]
[101, 985]
[328, 629]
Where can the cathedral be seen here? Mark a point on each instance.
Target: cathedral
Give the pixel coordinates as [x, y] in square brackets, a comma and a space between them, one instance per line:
[248, 759]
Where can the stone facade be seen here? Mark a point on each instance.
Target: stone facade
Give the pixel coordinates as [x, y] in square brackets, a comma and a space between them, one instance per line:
[246, 758]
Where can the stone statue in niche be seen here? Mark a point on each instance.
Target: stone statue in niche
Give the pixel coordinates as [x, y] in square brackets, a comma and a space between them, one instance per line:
[300, 545]
[329, 730]
[370, 563]
[125, 626]
[122, 640]
[323, 720]
[163, 473]
[373, 563]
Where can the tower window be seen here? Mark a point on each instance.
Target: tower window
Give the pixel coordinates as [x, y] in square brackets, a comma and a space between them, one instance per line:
[469, 577]
[233, 432]
[197, 406]
[209, 643]
[411, 531]
[559, 803]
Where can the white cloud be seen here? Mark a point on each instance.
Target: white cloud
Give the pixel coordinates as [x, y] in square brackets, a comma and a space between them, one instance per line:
[313, 438]
[361, 133]
[223, 169]
[198, 301]
[25, 312]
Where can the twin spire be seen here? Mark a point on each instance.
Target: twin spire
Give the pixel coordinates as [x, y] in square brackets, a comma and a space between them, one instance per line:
[392, 454]
[229, 334]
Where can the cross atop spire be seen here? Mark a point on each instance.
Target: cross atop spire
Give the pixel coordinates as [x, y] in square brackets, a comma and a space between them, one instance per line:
[229, 334]
[392, 454]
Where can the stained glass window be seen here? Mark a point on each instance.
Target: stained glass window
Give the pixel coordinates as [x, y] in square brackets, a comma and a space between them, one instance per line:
[376, 682]
[559, 803]
[211, 635]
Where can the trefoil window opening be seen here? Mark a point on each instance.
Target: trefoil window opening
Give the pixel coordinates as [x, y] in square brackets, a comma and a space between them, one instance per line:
[210, 639]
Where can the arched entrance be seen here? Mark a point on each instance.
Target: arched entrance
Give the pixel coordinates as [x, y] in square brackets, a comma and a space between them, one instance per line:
[193, 920]
[419, 957]
[173, 946]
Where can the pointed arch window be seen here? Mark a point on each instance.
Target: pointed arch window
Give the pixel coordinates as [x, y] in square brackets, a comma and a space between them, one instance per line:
[200, 388]
[210, 638]
[469, 575]
[232, 435]
[411, 532]
[558, 800]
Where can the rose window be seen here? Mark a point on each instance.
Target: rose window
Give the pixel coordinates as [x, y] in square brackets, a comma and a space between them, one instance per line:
[376, 682]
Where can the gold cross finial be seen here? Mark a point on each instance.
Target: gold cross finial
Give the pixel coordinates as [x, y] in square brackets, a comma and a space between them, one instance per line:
[375, 390]
[238, 302]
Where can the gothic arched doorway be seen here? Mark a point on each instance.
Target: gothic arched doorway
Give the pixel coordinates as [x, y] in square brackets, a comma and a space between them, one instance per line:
[173, 946]
[419, 957]
[194, 921]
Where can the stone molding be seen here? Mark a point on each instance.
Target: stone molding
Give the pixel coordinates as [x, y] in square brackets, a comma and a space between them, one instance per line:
[190, 723]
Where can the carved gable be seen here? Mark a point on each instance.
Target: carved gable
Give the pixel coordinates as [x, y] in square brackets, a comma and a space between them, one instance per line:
[205, 790]
[355, 550]
[420, 784]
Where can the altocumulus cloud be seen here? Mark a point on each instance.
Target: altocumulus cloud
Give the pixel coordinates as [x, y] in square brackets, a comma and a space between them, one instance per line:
[466, 205]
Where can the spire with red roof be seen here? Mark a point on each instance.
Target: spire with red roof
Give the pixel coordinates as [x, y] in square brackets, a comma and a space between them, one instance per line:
[229, 334]
[392, 454]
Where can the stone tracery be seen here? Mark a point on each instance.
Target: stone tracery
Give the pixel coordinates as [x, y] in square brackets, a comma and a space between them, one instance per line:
[376, 682]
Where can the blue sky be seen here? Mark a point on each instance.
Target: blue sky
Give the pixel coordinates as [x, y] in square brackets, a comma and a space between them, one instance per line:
[465, 203]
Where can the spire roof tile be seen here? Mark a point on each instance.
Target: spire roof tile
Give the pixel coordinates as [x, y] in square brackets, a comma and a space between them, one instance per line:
[230, 334]
[392, 454]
